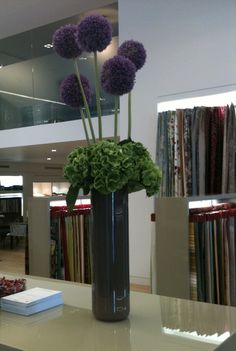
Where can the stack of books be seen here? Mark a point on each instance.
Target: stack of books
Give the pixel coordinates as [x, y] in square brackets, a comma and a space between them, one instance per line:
[31, 301]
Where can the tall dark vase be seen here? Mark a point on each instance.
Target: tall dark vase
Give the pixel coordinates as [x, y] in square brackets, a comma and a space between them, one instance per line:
[110, 256]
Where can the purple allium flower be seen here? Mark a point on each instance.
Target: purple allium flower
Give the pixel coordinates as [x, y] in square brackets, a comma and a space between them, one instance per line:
[133, 50]
[94, 33]
[70, 90]
[118, 75]
[64, 41]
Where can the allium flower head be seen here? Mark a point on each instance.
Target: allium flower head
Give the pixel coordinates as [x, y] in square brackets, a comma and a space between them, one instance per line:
[94, 33]
[70, 90]
[118, 75]
[133, 50]
[64, 41]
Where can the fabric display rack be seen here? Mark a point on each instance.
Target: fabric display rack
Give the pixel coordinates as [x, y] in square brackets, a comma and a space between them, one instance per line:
[70, 243]
[212, 244]
[196, 152]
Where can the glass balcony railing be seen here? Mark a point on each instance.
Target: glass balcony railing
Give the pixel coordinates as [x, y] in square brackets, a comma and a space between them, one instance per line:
[31, 73]
[22, 111]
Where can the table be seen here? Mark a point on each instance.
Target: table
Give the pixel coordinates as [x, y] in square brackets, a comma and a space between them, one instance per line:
[155, 323]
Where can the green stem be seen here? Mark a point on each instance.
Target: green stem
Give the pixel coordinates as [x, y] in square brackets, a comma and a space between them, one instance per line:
[129, 115]
[84, 125]
[85, 101]
[97, 91]
[116, 119]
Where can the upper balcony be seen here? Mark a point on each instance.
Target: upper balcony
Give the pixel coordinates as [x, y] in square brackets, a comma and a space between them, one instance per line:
[31, 72]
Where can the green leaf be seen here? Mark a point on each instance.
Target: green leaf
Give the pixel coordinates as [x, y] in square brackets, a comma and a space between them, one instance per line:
[71, 197]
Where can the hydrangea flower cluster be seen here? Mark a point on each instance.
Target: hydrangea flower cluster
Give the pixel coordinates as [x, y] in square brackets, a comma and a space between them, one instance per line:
[105, 166]
[108, 166]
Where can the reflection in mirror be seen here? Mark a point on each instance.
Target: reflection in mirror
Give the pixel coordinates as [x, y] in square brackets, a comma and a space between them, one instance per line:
[193, 320]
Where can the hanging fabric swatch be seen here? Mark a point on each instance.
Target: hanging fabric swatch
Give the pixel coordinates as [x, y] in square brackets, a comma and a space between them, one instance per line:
[212, 244]
[196, 151]
[70, 244]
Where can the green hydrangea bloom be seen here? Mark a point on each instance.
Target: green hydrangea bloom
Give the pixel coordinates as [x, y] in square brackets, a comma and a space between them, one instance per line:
[106, 167]
[77, 168]
[151, 177]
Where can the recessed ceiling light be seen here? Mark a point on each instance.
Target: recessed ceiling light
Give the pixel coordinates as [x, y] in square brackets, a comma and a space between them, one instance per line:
[54, 150]
[48, 46]
[48, 158]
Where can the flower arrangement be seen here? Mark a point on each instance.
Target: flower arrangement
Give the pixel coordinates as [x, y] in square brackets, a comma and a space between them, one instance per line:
[11, 286]
[103, 165]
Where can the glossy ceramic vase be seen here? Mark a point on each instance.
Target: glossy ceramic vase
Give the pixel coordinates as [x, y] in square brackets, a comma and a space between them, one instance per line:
[110, 256]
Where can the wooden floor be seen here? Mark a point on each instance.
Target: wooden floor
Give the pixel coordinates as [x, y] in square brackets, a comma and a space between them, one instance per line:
[140, 288]
[13, 261]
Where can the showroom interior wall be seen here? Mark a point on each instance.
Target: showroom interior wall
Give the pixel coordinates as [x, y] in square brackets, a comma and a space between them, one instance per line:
[190, 46]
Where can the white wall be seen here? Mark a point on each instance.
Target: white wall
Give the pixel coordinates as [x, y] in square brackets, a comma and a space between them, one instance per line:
[190, 46]
[52, 133]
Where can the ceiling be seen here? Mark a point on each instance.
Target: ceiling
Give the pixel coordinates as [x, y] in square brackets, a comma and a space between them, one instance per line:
[17, 16]
[27, 15]
[39, 153]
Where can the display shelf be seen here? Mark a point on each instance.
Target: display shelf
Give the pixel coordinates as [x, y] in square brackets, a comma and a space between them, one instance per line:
[171, 273]
[172, 261]
[11, 192]
[212, 197]
[50, 188]
[45, 238]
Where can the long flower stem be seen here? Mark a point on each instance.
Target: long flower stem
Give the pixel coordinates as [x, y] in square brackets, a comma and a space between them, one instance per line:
[97, 90]
[129, 115]
[85, 101]
[116, 119]
[84, 125]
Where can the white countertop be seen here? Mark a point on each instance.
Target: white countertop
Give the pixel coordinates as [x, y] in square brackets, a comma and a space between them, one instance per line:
[155, 324]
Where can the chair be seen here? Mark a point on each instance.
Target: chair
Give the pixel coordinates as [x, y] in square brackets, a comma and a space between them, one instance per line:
[17, 231]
